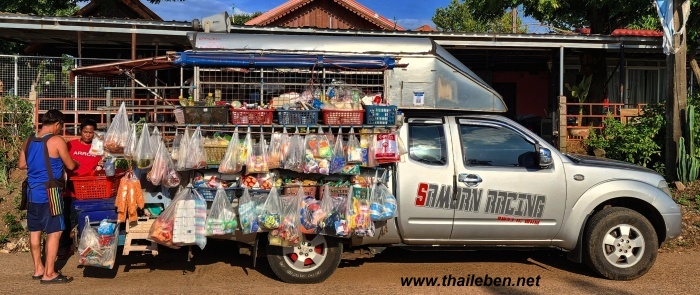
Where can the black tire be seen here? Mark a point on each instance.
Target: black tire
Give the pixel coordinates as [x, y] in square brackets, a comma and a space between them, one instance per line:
[629, 256]
[326, 251]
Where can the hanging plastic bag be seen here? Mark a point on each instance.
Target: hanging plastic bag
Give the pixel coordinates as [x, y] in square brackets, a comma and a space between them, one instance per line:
[284, 147]
[144, 152]
[400, 144]
[290, 228]
[129, 198]
[274, 152]
[269, 218]
[97, 145]
[318, 153]
[338, 161]
[184, 229]
[229, 164]
[311, 214]
[257, 162]
[245, 149]
[131, 143]
[295, 154]
[200, 220]
[196, 155]
[221, 219]
[155, 175]
[171, 178]
[246, 213]
[98, 249]
[360, 220]
[175, 151]
[183, 151]
[118, 132]
[354, 152]
[163, 227]
[155, 137]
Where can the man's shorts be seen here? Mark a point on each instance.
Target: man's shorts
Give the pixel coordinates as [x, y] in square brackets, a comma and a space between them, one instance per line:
[39, 219]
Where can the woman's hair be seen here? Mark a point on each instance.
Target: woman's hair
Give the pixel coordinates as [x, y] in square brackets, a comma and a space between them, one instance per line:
[88, 122]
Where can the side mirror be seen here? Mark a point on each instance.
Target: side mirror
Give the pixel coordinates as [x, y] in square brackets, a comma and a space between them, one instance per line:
[545, 158]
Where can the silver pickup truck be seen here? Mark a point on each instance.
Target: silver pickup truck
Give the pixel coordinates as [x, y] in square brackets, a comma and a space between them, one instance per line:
[473, 178]
[484, 180]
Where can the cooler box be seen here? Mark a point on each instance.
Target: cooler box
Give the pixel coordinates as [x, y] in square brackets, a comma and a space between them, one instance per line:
[95, 209]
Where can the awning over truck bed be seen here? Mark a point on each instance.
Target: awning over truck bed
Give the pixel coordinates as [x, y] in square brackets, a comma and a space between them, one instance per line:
[116, 68]
[227, 59]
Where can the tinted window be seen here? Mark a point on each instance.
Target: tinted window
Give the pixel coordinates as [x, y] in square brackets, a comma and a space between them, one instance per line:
[426, 144]
[493, 146]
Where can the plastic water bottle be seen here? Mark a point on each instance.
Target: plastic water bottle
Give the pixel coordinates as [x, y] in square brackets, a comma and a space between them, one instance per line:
[109, 167]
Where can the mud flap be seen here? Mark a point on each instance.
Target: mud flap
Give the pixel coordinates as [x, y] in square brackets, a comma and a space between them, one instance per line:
[576, 254]
[255, 250]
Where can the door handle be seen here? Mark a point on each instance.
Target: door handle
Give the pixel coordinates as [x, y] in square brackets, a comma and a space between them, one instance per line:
[470, 180]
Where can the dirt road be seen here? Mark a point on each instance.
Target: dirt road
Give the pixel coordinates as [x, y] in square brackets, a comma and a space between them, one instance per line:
[219, 269]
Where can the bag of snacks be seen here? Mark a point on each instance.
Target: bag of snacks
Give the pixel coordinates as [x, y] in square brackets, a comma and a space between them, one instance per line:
[354, 152]
[221, 220]
[318, 153]
[229, 164]
[247, 213]
[129, 198]
[196, 155]
[338, 160]
[118, 132]
[97, 146]
[274, 152]
[289, 232]
[257, 162]
[98, 249]
[163, 227]
[144, 152]
[171, 178]
[270, 216]
[183, 151]
[200, 218]
[245, 149]
[386, 149]
[131, 143]
[284, 147]
[155, 175]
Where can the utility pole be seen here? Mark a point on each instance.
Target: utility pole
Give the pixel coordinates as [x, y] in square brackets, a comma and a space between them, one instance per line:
[514, 19]
[677, 97]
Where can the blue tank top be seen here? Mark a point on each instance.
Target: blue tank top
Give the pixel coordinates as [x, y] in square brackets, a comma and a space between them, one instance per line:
[37, 174]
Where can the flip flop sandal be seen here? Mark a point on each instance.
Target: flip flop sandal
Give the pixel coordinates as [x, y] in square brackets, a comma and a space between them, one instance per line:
[37, 277]
[60, 279]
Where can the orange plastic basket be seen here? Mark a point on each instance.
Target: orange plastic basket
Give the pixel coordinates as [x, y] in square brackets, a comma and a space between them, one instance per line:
[96, 185]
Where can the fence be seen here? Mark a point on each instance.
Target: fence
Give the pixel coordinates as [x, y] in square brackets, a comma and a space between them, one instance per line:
[47, 81]
[577, 120]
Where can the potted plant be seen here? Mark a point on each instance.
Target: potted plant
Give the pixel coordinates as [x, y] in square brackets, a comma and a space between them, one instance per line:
[580, 92]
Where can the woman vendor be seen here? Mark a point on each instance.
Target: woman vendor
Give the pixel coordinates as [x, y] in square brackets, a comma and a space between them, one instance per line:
[79, 150]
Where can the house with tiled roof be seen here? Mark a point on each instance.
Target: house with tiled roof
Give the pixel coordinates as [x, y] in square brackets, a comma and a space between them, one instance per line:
[131, 9]
[326, 14]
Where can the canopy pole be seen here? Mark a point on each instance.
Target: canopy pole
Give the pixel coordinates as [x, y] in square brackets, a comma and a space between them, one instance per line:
[561, 70]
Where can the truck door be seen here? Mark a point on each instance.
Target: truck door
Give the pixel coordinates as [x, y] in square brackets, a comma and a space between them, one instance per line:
[502, 194]
[425, 182]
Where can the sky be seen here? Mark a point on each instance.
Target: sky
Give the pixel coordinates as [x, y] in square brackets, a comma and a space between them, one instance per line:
[410, 14]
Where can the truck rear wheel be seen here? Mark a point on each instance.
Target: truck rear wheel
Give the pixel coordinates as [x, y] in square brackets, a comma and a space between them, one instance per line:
[620, 244]
[312, 261]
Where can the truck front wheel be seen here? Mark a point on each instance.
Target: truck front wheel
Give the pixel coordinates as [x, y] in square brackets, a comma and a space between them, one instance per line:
[312, 261]
[620, 244]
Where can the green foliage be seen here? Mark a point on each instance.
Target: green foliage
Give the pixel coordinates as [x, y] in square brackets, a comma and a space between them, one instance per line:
[638, 136]
[15, 125]
[458, 17]
[242, 18]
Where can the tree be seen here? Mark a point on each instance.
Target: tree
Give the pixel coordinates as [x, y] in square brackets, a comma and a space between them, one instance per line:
[457, 17]
[242, 18]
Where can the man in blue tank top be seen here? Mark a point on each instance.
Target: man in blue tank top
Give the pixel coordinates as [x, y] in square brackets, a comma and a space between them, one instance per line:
[39, 217]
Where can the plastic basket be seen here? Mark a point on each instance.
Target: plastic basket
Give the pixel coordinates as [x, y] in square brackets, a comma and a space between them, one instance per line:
[210, 193]
[215, 154]
[97, 185]
[338, 191]
[380, 115]
[337, 117]
[291, 190]
[251, 117]
[297, 117]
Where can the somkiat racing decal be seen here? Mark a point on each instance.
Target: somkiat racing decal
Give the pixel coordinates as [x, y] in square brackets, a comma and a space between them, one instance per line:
[496, 202]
